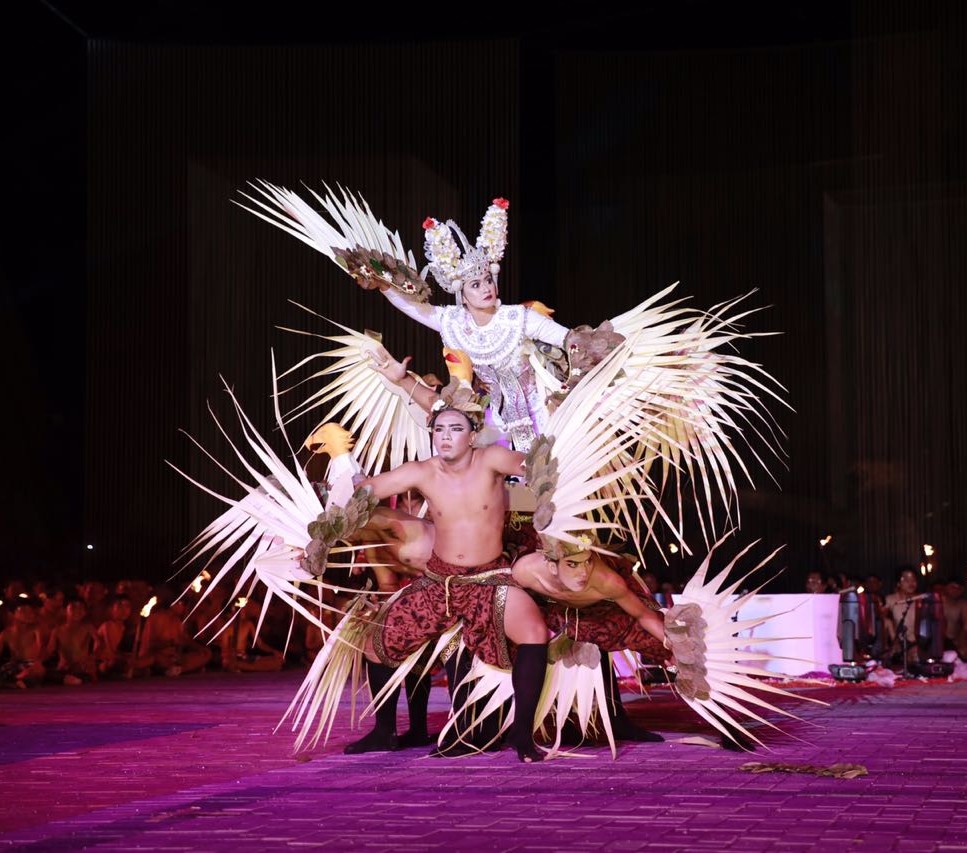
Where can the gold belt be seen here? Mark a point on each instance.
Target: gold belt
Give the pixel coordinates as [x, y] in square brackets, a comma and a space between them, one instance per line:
[462, 580]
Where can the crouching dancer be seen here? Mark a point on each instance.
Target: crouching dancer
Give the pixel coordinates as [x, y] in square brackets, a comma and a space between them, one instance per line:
[592, 598]
[466, 577]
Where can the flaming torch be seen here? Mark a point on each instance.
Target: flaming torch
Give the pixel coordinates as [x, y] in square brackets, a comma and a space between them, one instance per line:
[197, 582]
[136, 651]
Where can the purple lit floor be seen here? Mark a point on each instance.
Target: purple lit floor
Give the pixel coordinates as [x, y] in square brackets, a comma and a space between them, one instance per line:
[192, 764]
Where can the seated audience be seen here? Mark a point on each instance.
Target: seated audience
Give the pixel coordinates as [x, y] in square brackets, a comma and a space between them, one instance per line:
[166, 645]
[115, 650]
[73, 643]
[21, 647]
[955, 617]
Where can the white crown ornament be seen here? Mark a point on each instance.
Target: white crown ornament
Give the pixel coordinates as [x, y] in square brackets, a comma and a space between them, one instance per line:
[450, 266]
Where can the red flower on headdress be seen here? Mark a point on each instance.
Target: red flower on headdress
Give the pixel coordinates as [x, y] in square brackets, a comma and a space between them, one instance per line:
[429, 223]
[502, 203]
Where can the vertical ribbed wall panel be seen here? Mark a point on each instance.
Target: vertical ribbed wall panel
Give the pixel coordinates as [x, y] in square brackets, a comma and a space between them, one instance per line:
[708, 168]
[831, 178]
[185, 287]
[907, 264]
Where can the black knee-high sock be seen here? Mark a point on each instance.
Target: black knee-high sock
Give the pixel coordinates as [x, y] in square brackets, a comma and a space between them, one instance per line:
[463, 738]
[383, 736]
[621, 723]
[379, 675]
[456, 741]
[528, 679]
[417, 700]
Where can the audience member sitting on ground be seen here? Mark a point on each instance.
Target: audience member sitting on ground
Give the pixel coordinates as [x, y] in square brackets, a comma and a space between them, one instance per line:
[955, 618]
[73, 643]
[902, 609]
[52, 613]
[94, 594]
[816, 582]
[21, 647]
[166, 646]
[251, 653]
[116, 640]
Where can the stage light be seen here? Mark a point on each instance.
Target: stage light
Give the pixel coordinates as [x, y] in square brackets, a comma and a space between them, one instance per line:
[825, 540]
[930, 617]
[673, 548]
[146, 610]
[90, 547]
[242, 601]
[23, 595]
[860, 590]
[847, 632]
[928, 550]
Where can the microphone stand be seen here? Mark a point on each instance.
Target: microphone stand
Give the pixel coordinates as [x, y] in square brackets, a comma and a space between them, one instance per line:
[902, 632]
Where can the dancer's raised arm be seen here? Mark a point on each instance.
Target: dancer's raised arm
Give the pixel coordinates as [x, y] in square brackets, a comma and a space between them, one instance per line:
[430, 316]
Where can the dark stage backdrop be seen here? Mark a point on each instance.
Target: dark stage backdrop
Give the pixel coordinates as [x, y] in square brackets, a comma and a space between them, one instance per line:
[186, 288]
[829, 176]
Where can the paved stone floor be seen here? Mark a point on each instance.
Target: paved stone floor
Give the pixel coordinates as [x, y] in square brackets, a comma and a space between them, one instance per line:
[192, 764]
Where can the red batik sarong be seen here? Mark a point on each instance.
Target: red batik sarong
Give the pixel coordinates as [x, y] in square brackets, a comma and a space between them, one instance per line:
[443, 596]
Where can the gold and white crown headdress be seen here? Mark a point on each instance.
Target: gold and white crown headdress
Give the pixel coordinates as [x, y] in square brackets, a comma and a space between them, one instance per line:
[450, 266]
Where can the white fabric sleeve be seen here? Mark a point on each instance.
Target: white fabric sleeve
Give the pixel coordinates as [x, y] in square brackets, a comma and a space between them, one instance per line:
[422, 312]
[540, 328]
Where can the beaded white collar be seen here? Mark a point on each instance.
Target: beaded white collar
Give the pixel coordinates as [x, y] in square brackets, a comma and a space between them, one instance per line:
[496, 345]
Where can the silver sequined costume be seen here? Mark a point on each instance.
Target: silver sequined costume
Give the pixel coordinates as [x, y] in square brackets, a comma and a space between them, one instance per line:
[497, 351]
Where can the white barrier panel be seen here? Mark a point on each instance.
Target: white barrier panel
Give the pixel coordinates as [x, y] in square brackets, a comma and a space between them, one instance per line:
[811, 618]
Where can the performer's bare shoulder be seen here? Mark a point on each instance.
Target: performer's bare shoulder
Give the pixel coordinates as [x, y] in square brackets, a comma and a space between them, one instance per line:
[583, 579]
[578, 580]
[464, 487]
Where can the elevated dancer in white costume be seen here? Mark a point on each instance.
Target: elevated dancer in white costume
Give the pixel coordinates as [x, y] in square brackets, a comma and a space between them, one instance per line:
[706, 402]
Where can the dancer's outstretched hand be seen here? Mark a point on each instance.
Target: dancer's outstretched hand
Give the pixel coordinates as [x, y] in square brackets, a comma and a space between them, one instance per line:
[385, 365]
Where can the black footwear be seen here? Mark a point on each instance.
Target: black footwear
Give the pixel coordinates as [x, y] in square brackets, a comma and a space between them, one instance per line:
[529, 754]
[414, 737]
[736, 741]
[628, 731]
[621, 725]
[383, 737]
[571, 734]
[375, 741]
[456, 749]
[417, 701]
[528, 679]
[465, 737]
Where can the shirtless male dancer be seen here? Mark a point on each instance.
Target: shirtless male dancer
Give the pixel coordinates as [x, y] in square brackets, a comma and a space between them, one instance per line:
[585, 596]
[584, 579]
[621, 614]
[466, 577]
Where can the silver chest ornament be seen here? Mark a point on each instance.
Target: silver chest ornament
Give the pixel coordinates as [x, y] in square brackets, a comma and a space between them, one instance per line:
[497, 353]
